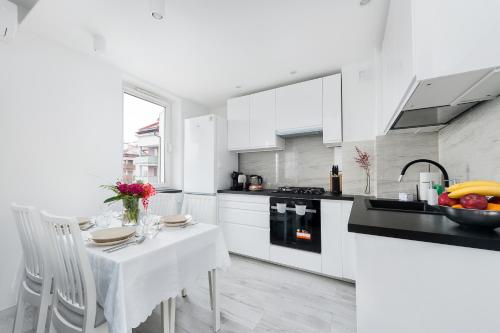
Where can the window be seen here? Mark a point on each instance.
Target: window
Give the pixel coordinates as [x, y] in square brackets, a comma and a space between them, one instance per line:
[143, 140]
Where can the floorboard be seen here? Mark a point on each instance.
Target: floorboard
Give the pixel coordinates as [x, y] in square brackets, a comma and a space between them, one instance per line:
[258, 297]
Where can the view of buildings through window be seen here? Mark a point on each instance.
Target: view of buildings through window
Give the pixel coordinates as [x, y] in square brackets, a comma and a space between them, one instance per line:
[141, 140]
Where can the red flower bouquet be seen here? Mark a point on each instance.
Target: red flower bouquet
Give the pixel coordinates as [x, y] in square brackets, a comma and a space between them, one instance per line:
[130, 194]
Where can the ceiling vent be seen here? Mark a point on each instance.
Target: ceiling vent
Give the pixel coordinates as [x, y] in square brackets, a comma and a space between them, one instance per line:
[8, 20]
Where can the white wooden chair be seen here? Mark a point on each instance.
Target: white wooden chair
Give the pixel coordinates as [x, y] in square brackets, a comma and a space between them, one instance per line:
[203, 209]
[74, 309]
[37, 278]
[164, 204]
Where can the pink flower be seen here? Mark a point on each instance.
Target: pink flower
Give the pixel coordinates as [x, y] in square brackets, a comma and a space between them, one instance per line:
[136, 189]
[123, 188]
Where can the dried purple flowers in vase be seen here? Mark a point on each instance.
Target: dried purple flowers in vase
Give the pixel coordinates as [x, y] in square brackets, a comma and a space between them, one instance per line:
[363, 160]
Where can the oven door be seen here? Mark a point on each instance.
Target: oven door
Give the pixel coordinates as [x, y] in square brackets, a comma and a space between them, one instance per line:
[293, 227]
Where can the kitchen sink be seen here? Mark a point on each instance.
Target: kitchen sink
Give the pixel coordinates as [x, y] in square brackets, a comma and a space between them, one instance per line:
[402, 206]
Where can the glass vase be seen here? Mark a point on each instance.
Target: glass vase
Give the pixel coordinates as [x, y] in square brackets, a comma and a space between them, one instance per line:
[130, 211]
[367, 185]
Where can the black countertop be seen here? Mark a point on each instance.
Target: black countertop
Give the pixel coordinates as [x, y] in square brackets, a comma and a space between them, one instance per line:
[420, 227]
[271, 193]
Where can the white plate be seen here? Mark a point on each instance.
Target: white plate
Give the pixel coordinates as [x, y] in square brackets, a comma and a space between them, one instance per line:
[112, 234]
[174, 225]
[110, 243]
[174, 219]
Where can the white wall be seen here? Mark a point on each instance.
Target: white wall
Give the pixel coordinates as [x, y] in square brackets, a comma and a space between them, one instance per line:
[60, 136]
[220, 111]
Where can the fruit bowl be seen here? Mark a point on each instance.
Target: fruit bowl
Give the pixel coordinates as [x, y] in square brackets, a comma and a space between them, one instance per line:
[472, 217]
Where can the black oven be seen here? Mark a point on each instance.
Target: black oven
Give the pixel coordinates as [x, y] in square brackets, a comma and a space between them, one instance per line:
[296, 223]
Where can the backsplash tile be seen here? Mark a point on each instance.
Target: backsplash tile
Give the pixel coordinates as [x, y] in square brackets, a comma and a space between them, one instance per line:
[469, 148]
[304, 162]
[394, 151]
[354, 178]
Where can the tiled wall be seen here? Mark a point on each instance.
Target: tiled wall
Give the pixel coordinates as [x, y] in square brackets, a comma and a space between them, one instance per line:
[394, 152]
[304, 162]
[354, 178]
[469, 148]
[307, 162]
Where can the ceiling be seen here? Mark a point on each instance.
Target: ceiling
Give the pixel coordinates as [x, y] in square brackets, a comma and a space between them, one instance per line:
[203, 49]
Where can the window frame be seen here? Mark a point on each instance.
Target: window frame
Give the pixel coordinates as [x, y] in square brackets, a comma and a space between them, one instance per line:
[165, 166]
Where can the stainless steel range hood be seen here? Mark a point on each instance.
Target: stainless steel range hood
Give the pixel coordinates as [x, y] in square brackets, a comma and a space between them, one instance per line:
[437, 101]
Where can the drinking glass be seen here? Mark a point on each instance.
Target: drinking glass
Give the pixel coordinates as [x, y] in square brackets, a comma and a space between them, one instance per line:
[149, 225]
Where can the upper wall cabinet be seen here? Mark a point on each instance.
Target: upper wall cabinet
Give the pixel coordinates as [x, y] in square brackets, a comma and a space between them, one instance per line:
[434, 52]
[299, 108]
[332, 110]
[359, 104]
[238, 123]
[252, 123]
[263, 121]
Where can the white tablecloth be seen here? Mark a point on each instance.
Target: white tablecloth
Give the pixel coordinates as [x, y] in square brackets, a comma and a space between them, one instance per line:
[131, 282]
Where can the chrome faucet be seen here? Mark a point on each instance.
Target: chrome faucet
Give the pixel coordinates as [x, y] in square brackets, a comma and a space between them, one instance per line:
[423, 160]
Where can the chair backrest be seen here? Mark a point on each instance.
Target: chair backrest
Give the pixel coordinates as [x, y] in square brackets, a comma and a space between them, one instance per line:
[164, 204]
[74, 286]
[31, 234]
[203, 208]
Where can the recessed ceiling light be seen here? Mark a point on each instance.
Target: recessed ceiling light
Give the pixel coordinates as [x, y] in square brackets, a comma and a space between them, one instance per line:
[364, 2]
[158, 9]
[238, 87]
[293, 72]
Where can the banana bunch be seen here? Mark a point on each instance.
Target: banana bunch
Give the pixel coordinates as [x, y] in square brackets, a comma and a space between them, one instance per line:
[482, 187]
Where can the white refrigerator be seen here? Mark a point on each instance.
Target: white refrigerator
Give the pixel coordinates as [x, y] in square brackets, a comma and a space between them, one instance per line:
[207, 165]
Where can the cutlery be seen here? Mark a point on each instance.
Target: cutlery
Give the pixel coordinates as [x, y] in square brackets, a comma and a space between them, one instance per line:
[137, 241]
[90, 226]
[188, 224]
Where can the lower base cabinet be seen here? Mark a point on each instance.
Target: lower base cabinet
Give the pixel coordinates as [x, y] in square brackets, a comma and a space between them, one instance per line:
[247, 240]
[309, 261]
[245, 223]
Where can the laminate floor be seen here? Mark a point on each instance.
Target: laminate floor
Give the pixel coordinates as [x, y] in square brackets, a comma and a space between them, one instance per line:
[258, 297]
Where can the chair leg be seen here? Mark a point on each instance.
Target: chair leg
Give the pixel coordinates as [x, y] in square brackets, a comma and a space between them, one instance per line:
[210, 290]
[172, 314]
[215, 297]
[20, 311]
[43, 309]
[168, 315]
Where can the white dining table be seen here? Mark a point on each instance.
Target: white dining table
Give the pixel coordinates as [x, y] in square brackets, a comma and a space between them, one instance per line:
[131, 282]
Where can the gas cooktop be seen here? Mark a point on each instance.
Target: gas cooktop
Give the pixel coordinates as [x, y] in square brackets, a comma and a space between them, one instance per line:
[300, 190]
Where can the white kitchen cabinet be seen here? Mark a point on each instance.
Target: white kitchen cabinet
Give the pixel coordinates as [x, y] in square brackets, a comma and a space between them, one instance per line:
[434, 51]
[331, 237]
[263, 121]
[247, 240]
[332, 110]
[348, 244]
[299, 108]
[296, 258]
[252, 123]
[245, 223]
[337, 244]
[238, 123]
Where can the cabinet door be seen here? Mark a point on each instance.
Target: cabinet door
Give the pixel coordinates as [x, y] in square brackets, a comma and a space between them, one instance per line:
[331, 238]
[398, 70]
[358, 102]
[348, 245]
[332, 109]
[263, 119]
[238, 123]
[299, 107]
[247, 240]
